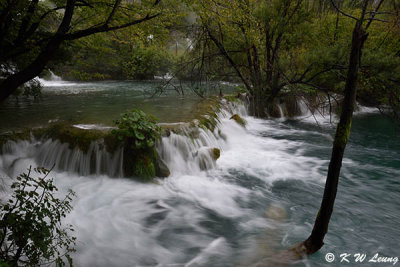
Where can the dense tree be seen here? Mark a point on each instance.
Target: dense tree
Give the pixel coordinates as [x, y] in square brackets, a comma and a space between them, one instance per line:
[282, 47]
[263, 41]
[32, 31]
[139, 52]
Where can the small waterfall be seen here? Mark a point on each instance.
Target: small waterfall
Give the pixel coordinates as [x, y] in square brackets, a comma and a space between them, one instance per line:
[48, 153]
[55, 81]
[190, 149]
[54, 77]
[186, 153]
[303, 107]
[282, 115]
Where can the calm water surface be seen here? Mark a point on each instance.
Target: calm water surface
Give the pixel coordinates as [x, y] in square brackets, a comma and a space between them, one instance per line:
[101, 103]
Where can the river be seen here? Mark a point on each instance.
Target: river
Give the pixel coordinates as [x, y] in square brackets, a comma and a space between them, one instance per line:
[260, 197]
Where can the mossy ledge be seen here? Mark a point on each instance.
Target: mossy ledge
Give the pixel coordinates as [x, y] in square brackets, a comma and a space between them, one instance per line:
[239, 120]
[142, 164]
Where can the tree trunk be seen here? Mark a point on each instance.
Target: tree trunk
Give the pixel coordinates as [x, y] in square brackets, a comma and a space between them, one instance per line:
[316, 239]
[10, 85]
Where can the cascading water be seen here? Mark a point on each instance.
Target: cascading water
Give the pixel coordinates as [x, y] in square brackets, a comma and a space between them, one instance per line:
[54, 81]
[260, 196]
[189, 151]
[51, 153]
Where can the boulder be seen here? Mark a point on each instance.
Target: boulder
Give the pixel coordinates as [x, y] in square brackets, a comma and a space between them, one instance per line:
[239, 120]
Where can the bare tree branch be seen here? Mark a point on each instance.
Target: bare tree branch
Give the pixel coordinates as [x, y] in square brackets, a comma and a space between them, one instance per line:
[341, 12]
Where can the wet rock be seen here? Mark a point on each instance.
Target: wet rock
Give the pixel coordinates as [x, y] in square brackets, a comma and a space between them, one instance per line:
[275, 110]
[207, 157]
[162, 169]
[291, 106]
[239, 120]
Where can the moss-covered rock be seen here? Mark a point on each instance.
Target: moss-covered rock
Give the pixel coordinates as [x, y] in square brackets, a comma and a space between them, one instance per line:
[207, 157]
[233, 98]
[237, 98]
[242, 122]
[144, 168]
[14, 136]
[209, 122]
[139, 163]
[73, 136]
[144, 164]
[215, 153]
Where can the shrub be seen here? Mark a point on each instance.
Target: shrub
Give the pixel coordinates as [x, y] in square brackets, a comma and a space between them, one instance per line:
[138, 129]
[31, 232]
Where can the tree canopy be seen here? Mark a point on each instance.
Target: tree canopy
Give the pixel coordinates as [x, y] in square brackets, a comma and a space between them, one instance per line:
[32, 32]
[273, 48]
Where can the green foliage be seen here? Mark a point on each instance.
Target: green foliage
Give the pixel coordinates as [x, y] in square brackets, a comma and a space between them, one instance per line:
[146, 62]
[139, 130]
[31, 232]
[138, 52]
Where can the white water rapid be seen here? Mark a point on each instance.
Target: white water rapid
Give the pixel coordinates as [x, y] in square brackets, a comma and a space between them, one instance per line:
[195, 217]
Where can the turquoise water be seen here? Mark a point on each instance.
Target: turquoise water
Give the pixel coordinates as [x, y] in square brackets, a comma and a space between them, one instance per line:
[260, 197]
[366, 215]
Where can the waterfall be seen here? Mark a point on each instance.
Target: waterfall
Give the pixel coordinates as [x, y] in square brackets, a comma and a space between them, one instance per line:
[185, 154]
[281, 114]
[55, 81]
[190, 149]
[49, 153]
[54, 77]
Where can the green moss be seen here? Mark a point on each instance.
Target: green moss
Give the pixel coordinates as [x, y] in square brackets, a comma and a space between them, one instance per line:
[141, 163]
[209, 122]
[111, 143]
[144, 164]
[233, 98]
[74, 137]
[144, 168]
[14, 136]
[342, 134]
[239, 120]
[215, 153]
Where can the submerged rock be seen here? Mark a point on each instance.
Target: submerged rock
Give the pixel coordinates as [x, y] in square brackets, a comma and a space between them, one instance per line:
[207, 157]
[239, 120]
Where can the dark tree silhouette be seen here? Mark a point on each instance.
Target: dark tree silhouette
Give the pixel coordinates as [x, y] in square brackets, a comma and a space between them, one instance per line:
[22, 23]
[316, 240]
